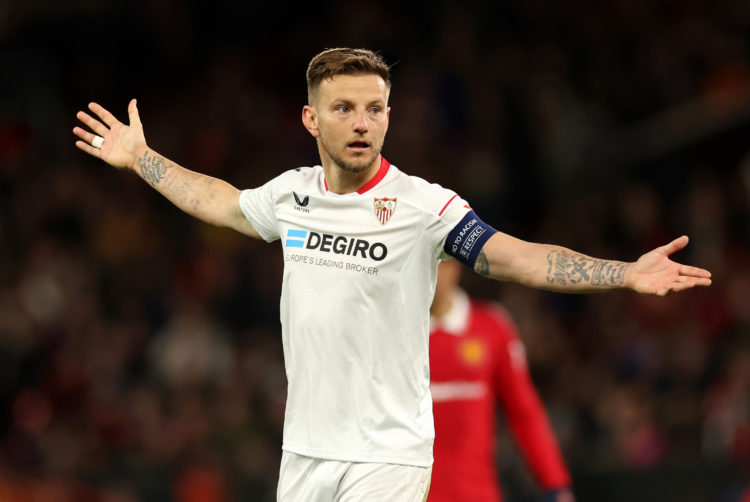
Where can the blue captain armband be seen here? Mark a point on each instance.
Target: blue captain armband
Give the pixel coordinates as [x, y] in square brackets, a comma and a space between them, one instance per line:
[467, 239]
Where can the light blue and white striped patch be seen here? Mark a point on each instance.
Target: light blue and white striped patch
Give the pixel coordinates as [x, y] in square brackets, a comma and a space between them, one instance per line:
[295, 238]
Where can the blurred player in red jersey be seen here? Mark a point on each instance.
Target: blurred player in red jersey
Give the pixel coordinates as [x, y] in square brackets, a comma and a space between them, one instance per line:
[477, 361]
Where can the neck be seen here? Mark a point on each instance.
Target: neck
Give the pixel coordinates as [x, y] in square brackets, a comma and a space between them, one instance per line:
[441, 304]
[341, 182]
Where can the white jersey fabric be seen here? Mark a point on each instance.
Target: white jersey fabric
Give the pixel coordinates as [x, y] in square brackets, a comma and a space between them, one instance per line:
[311, 479]
[359, 278]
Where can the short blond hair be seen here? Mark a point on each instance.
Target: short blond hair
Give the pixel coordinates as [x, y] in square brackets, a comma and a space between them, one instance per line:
[345, 61]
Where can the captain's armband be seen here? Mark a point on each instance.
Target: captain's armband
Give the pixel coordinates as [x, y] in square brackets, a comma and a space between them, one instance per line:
[467, 239]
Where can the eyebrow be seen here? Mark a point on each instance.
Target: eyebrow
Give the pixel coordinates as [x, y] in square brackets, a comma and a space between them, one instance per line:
[347, 102]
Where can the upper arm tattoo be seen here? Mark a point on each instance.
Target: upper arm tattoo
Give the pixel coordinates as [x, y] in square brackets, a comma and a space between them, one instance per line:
[482, 266]
[153, 167]
[565, 268]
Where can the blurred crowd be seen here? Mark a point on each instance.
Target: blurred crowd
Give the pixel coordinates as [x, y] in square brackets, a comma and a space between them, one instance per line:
[140, 353]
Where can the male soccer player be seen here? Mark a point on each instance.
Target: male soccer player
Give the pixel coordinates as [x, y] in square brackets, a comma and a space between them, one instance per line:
[478, 362]
[361, 241]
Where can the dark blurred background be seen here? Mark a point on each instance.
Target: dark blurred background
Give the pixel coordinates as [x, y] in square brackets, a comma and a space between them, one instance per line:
[140, 353]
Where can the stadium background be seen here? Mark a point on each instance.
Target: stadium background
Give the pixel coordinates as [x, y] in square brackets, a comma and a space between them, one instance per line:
[139, 349]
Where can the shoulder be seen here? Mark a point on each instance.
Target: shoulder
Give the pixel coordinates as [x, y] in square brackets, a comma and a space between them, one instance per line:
[430, 197]
[300, 178]
[495, 314]
[501, 332]
[300, 181]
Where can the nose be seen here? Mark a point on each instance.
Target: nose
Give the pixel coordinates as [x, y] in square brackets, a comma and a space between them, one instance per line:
[360, 125]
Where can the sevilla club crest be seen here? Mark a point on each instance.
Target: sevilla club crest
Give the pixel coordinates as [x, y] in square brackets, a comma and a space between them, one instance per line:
[384, 209]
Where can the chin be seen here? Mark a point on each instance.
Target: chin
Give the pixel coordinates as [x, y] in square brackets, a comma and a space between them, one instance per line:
[348, 168]
[356, 166]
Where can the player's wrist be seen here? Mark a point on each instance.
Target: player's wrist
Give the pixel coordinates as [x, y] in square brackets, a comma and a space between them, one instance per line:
[138, 154]
[628, 281]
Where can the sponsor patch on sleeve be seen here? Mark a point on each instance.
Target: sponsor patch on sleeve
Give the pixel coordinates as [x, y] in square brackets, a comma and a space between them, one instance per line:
[467, 238]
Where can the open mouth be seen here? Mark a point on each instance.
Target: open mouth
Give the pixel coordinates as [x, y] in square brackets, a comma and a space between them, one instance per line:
[359, 146]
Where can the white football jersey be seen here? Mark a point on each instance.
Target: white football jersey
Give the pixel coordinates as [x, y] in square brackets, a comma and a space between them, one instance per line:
[359, 278]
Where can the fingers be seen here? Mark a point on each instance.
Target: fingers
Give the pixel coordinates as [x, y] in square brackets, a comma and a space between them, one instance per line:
[684, 283]
[92, 123]
[689, 271]
[83, 134]
[103, 114]
[701, 282]
[681, 286]
[675, 245]
[135, 119]
[95, 152]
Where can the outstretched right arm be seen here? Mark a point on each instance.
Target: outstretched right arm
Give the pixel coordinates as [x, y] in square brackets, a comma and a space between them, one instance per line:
[210, 199]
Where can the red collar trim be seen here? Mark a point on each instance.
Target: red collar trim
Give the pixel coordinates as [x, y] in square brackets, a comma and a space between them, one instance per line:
[384, 166]
[382, 171]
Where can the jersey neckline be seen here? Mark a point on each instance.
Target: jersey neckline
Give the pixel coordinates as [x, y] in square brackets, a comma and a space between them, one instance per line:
[382, 171]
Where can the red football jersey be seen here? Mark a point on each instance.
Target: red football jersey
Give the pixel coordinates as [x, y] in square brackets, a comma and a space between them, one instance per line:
[477, 361]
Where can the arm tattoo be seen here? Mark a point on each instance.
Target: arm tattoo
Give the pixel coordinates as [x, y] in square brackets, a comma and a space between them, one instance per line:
[565, 268]
[153, 167]
[482, 266]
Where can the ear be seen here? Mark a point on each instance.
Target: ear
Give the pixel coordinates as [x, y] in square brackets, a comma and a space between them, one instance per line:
[310, 120]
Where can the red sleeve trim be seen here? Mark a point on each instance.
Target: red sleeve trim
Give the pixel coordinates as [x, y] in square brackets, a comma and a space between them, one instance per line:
[446, 205]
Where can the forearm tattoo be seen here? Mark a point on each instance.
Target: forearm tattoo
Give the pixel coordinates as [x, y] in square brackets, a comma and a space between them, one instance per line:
[566, 268]
[482, 266]
[153, 167]
[187, 190]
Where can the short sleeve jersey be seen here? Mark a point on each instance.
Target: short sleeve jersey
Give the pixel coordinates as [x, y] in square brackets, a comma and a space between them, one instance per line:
[359, 278]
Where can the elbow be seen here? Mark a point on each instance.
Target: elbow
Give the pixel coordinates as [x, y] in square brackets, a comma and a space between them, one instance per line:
[520, 271]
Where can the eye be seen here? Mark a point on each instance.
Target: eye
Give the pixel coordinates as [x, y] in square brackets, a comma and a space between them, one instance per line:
[342, 109]
[375, 110]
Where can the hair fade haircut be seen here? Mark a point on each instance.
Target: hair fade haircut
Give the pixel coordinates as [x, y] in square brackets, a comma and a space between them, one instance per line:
[345, 61]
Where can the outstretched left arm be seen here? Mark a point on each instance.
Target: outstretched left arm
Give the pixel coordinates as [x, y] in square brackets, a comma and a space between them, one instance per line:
[556, 268]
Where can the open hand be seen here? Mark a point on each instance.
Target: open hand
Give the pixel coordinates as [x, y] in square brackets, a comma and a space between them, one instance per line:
[122, 143]
[654, 273]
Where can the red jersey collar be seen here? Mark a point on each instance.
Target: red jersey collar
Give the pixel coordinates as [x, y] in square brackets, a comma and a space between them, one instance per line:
[382, 171]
